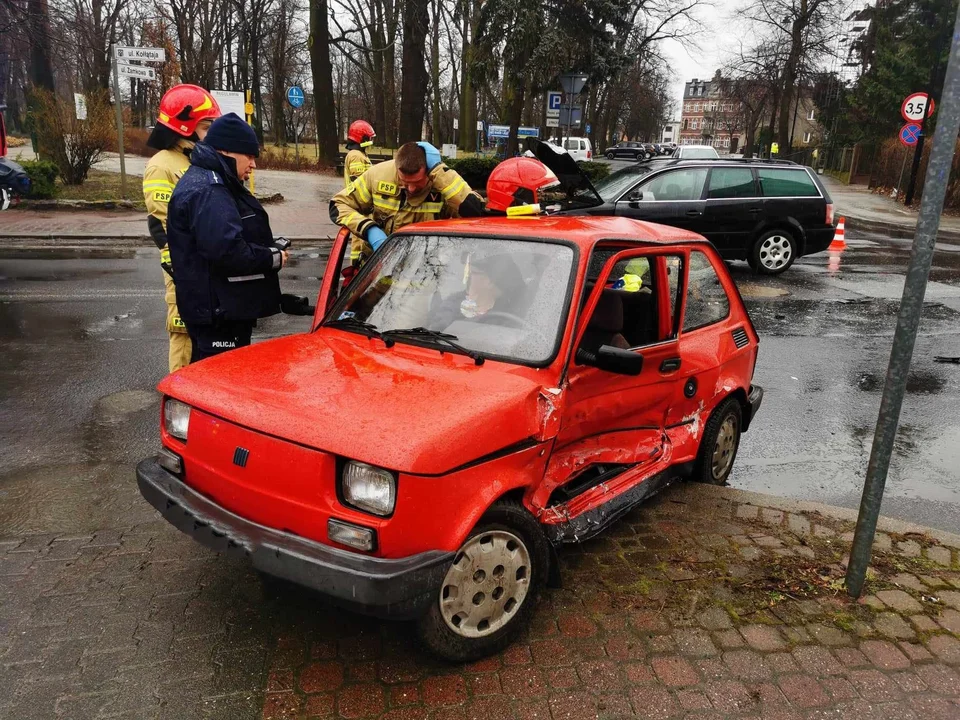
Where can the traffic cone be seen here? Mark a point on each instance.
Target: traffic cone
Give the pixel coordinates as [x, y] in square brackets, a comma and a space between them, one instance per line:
[838, 243]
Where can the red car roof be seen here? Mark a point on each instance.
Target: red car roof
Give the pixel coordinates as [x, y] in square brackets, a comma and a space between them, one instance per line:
[585, 230]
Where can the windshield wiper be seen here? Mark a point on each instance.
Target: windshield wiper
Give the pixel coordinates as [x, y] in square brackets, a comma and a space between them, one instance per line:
[445, 338]
[352, 322]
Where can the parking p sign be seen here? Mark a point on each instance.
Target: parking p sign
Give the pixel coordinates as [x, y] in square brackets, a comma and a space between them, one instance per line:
[554, 101]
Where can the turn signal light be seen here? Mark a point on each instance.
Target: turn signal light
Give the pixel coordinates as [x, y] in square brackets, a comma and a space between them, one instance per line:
[829, 213]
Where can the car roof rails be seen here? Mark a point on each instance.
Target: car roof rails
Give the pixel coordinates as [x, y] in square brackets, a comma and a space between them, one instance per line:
[763, 161]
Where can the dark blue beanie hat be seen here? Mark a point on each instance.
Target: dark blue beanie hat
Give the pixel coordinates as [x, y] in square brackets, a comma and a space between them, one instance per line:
[231, 134]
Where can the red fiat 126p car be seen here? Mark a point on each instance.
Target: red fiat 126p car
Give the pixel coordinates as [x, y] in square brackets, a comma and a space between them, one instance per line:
[483, 392]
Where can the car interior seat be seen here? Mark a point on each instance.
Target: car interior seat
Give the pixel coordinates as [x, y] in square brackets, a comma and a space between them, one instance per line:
[606, 324]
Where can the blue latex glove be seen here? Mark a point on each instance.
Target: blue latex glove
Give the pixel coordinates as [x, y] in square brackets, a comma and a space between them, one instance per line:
[433, 155]
[376, 237]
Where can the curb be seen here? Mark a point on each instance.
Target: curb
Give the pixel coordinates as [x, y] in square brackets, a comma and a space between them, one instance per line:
[904, 231]
[885, 524]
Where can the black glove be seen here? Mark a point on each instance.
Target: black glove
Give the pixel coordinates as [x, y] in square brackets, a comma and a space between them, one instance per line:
[295, 305]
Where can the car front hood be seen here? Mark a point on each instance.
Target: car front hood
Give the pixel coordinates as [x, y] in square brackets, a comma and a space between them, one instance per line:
[572, 179]
[342, 393]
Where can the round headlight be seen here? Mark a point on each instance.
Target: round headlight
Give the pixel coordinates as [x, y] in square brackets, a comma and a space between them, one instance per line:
[368, 488]
[176, 418]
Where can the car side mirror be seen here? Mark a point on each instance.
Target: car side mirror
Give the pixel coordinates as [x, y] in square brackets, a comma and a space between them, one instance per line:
[640, 196]
[612, 359]
[295, 305]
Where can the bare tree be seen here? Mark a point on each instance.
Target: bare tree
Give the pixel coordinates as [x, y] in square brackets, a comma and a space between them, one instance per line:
[414, 83]
[328, 146]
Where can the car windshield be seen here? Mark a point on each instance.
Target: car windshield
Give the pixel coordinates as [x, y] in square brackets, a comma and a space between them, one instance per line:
[496, 297]
[699, 153]
[615, 184]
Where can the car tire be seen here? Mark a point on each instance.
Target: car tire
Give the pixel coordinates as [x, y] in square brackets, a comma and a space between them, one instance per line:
[518, 556]
[611, 156]
[719, 444]
[773, 252]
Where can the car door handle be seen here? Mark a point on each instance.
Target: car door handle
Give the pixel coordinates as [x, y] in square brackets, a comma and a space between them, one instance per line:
[753, 211]
[694, 213]
[670, 365]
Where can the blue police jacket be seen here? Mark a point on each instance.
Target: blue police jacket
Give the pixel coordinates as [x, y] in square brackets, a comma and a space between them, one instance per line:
[221, 246]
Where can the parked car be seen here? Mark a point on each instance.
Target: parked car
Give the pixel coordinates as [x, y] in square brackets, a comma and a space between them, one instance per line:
[413, 457]
[695, 152]
[579, 148]
[628, 150]
[766, 212]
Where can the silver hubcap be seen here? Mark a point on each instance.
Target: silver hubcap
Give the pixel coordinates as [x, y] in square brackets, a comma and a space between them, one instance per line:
[486, 585]
[725, 448]
[775, 252]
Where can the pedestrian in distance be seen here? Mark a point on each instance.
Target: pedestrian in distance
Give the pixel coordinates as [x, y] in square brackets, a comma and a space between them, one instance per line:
[185, 115]
[414, 187]
[220, 240]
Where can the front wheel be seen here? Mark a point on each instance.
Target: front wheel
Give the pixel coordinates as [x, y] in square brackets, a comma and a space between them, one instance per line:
[773, 252]
[491, 589]
[718, 447]
[610, 156]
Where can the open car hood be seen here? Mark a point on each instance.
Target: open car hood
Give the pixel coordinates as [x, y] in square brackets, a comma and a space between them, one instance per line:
[576, 190]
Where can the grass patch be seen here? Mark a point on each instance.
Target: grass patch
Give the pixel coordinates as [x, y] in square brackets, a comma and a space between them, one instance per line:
[102, 185]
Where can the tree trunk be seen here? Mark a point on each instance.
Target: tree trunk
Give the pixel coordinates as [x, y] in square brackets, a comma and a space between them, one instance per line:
[41, 71]
[790, 80]
[414, 83]
[513, 100]
[468, 95]
[435, 75]
[328, 148]
[390, 73]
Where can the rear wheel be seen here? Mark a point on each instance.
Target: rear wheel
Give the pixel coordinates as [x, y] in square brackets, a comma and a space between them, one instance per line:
[718, 447]
[491, 589]
[773, 252]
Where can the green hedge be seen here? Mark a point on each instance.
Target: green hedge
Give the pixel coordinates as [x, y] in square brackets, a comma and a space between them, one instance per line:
[43, 178]
[594, 170]
[476, 170]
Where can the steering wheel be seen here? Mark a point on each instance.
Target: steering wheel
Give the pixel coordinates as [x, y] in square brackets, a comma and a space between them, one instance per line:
[516, 321]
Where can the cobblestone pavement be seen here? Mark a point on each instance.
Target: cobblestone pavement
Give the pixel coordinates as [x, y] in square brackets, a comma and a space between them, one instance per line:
[705, 603]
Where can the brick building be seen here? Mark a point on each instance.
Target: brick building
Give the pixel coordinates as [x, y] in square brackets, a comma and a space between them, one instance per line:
[709, 118]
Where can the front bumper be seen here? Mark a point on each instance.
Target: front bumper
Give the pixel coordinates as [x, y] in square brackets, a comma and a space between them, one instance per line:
[401, 589]
[754, 400]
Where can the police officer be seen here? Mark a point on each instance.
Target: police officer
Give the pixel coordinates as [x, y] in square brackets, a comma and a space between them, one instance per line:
[221, 245]
[413, 187]
[360, 136]
[186, 112]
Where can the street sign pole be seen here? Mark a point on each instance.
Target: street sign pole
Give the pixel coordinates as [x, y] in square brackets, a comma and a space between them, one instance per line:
[119, 108]
[911, 307]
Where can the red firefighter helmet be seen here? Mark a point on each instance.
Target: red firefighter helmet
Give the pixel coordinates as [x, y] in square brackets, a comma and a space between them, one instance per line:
[183, 106]
[361, 132]
[517, 181]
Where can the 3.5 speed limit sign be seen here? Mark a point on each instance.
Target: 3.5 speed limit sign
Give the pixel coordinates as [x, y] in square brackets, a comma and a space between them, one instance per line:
[915, 106]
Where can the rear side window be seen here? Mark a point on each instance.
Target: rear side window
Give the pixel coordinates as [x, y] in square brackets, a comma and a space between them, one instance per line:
[780, 182]
[676, 185]
[707, 301]
[572, 145]
[731, 183]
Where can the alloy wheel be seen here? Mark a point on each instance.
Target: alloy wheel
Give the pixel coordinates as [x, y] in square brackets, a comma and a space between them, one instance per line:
[775, 252]
[725, 448]
[486, 585]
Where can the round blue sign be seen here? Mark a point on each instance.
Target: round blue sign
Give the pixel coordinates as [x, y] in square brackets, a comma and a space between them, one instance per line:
[910, 134]
[295, 96]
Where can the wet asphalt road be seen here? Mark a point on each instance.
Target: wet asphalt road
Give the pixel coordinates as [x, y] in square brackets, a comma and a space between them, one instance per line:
[82, 348]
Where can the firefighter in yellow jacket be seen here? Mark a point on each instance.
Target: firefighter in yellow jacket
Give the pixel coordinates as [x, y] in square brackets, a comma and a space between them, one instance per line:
[186, 112]
[413, 187]
[360, 136]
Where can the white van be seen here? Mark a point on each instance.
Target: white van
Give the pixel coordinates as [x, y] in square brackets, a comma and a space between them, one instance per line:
[578, 147]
